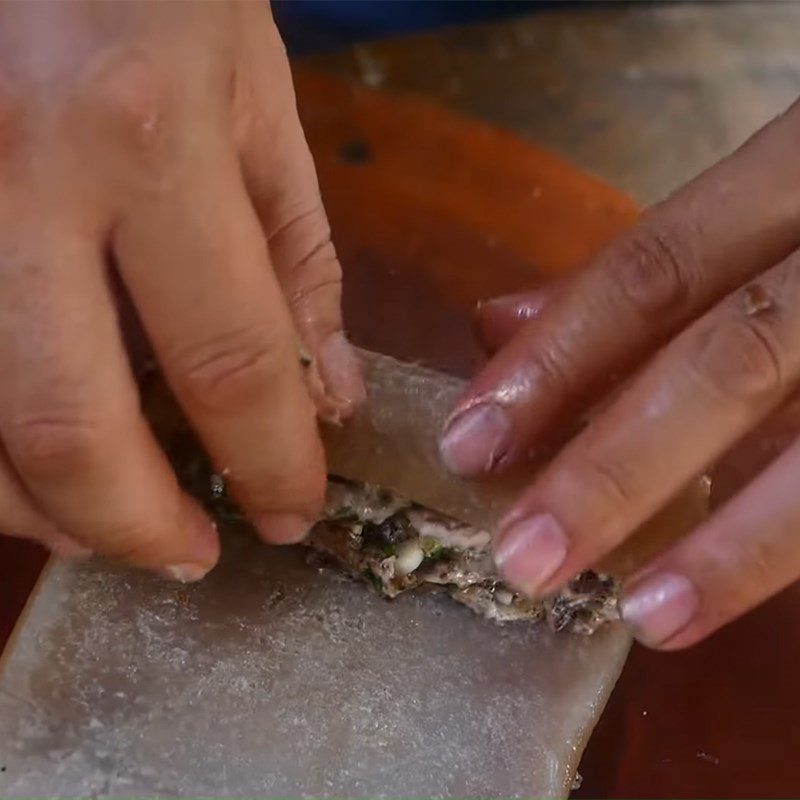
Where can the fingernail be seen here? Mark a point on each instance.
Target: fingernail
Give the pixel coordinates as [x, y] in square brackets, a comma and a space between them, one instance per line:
[523, 306]
[279, 527]
[341, 370]
[659, 607]
[203, 549]
[186, 573]
[475, 440]
[531, 551]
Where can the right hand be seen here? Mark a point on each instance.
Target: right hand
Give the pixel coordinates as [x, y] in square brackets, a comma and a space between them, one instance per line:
[161, 138]
[692, 314]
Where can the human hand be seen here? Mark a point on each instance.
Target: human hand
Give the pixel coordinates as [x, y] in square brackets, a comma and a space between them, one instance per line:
[161, 138]
[695, 309]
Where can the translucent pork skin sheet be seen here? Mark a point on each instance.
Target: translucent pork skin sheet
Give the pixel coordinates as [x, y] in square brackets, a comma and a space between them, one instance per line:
[271, 678]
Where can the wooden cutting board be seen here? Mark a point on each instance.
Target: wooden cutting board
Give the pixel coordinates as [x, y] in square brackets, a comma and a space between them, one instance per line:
[432, 212]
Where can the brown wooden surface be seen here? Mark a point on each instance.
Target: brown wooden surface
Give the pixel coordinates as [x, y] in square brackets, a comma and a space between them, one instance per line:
[432, 212]
[645, 95]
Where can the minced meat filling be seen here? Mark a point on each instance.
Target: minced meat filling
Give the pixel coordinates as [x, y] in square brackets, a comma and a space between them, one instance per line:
[396, 545]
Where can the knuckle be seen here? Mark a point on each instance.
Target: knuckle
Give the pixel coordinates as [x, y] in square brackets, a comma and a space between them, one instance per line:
[133, 94]
[44, 446]
[548, 365]
[313, 281]
[230, 369]
[740, 359]
[303, 236]
[654, 275]
[609, 481]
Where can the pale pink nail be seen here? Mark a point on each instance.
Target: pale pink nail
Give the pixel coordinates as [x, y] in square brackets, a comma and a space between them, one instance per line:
[280, 527]
[531, 551]
[204, 548]
[341, 370]
[475, 440]
[524, 306]
[659, 607]
[185, 573]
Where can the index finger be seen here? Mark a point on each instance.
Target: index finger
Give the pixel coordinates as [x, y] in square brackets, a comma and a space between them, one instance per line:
[735, 220]
[211, 305]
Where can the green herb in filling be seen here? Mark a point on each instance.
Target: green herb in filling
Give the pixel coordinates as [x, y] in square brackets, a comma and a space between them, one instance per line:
[432, 548]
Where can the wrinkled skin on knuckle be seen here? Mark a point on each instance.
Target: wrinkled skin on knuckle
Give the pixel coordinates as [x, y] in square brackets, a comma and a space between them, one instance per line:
[609, 479]
[738, 360]
[543, 361]
[129, 112]
[315, 295]
[48, 446]
[654, 271]
[300, 228]
[309, 273]
[596, 491]
[309, 257]
[133, 94]
[231, 370]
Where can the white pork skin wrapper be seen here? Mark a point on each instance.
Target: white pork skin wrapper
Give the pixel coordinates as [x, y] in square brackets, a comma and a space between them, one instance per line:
[274, 679]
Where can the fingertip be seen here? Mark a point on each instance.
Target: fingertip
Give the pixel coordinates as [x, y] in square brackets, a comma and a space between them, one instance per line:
[341, 372]
[185, 573]
[498, 319]
[531, 551]
[282, 527]
[476, 439]
[202, 551]
[519, 307]
[203, 545]
[659, 608]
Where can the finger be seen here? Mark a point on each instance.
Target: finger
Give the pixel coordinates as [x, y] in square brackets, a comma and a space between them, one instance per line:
[747, 552]
[282, 182]
[69, 414]
[21, 519]
[688, 252]
[196, 264]
[715, 382]
[498, 319]
[755, 451]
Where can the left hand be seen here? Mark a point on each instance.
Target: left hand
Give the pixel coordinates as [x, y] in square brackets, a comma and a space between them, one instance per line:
[702, 294]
